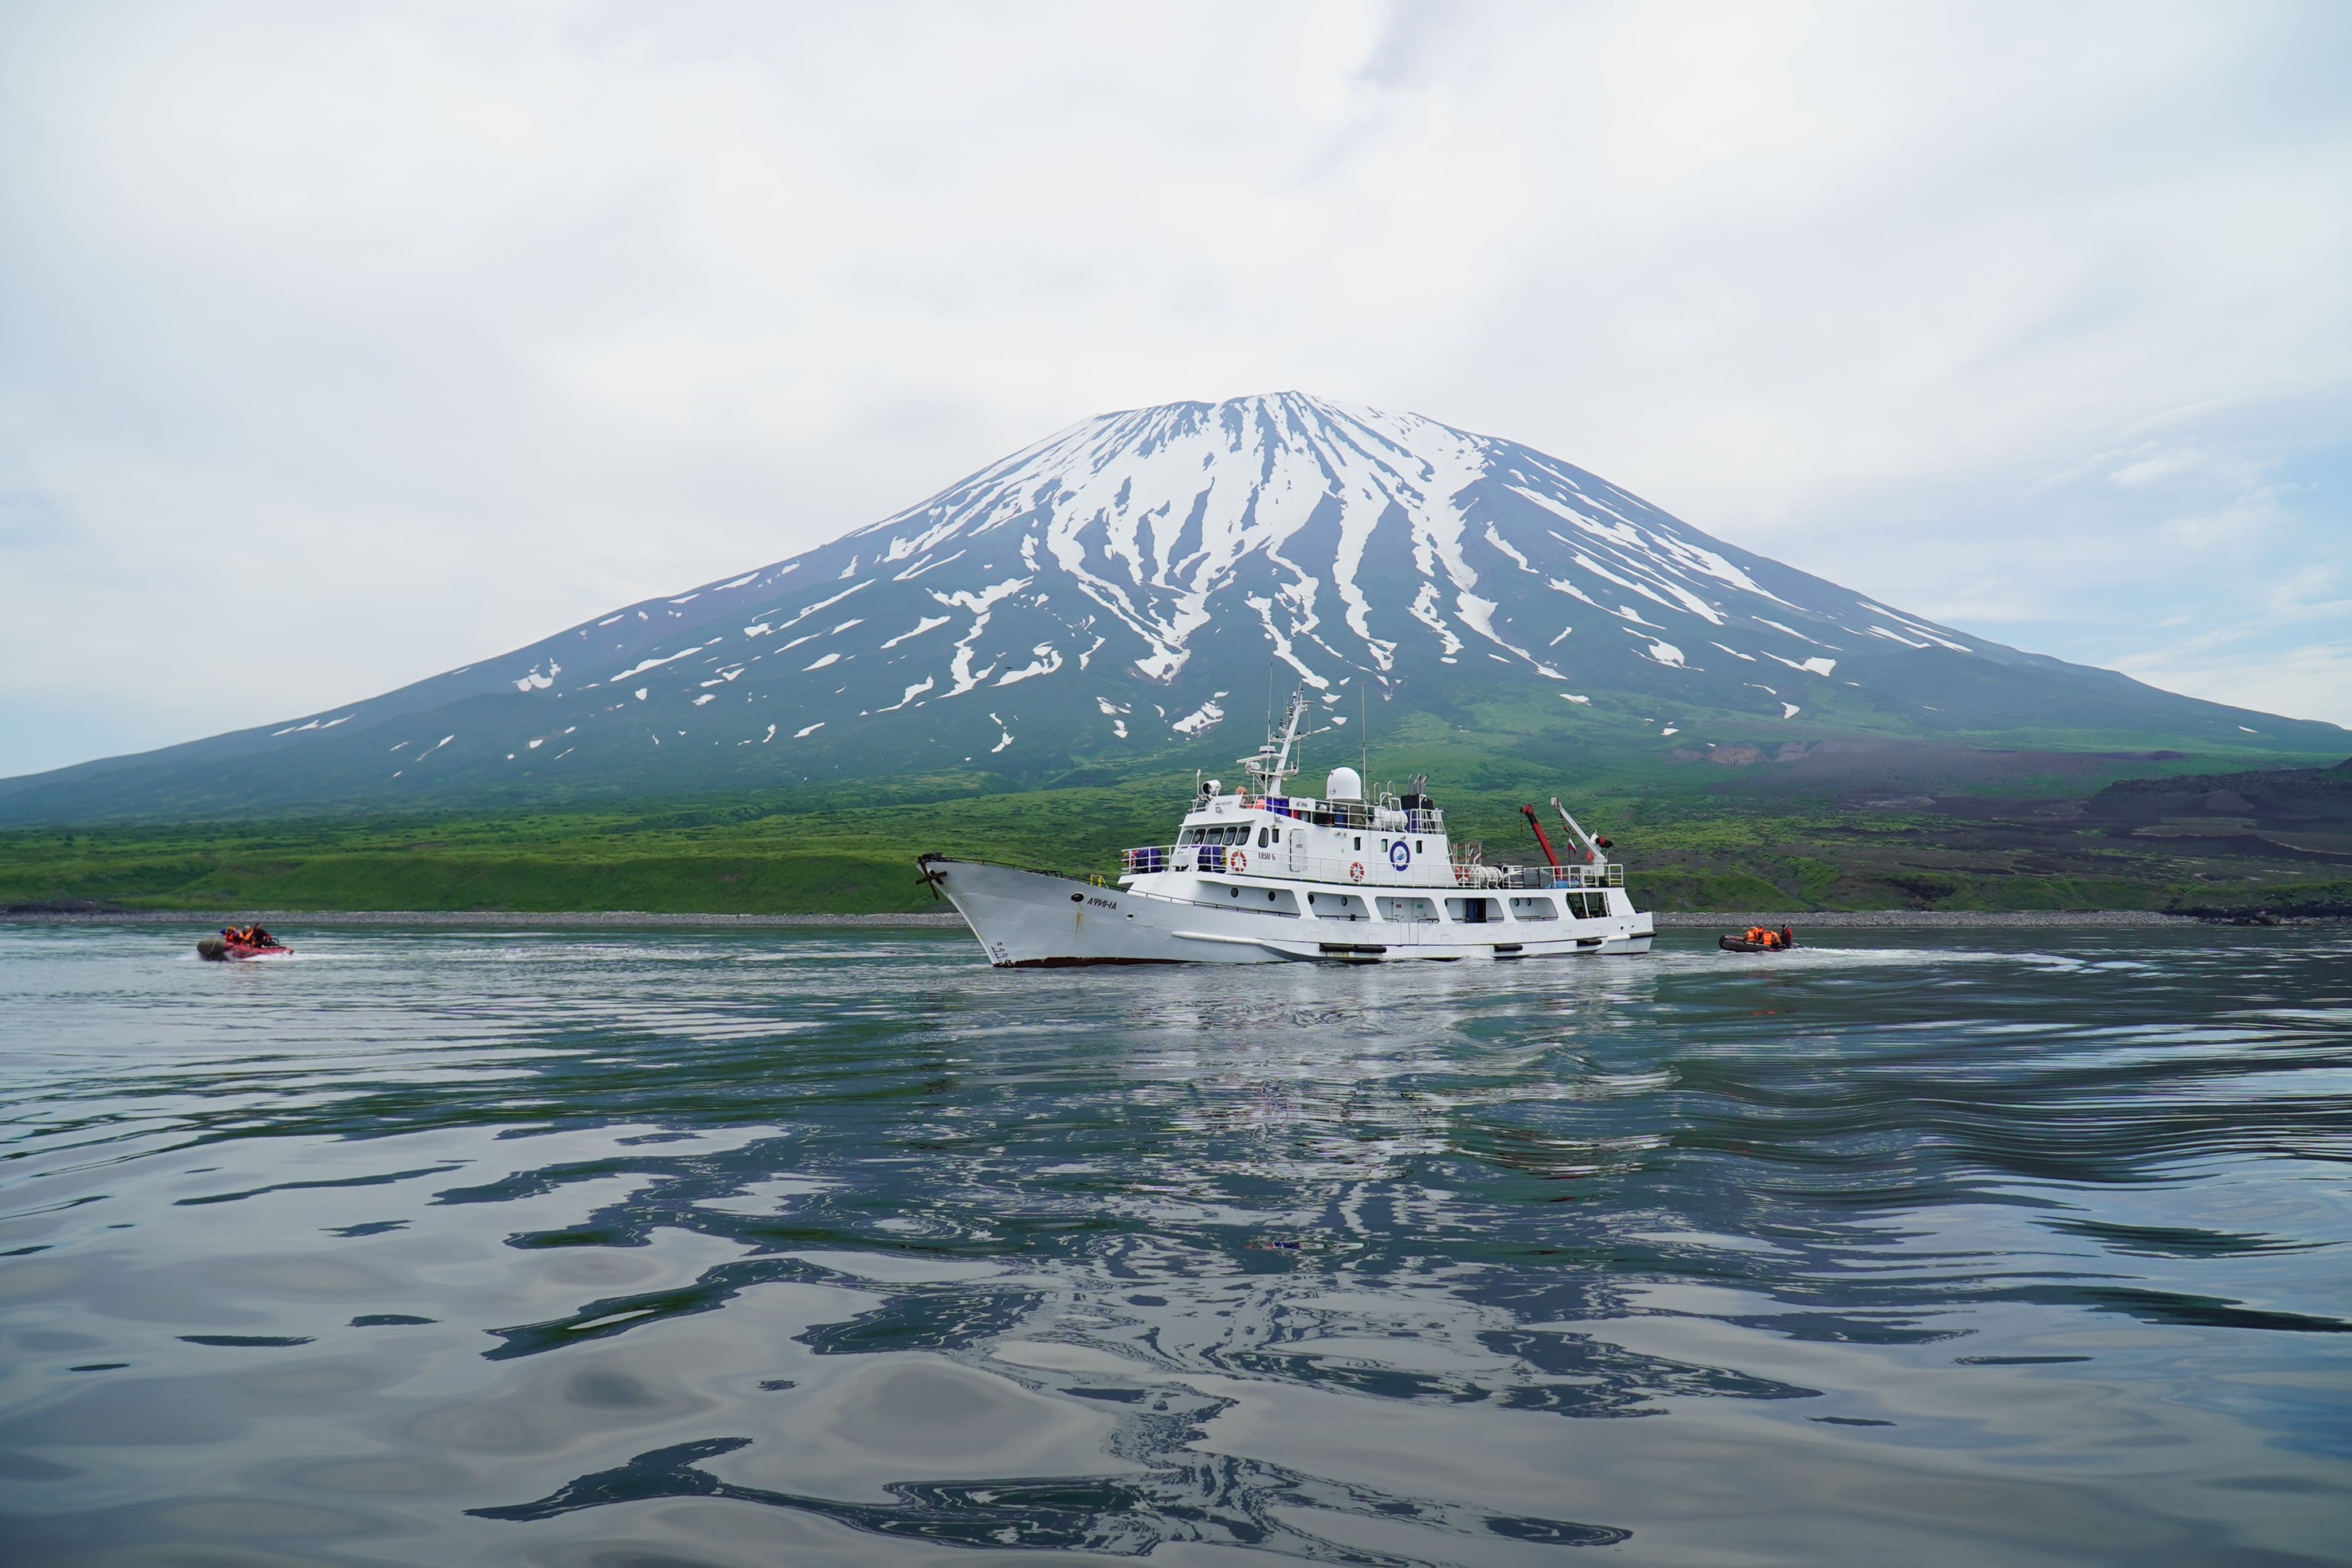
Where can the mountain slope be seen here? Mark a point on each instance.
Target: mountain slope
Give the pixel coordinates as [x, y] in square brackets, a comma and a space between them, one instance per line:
[1119, 592]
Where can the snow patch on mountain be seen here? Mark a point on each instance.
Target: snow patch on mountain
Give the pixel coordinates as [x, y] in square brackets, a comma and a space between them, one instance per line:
[1200, 719]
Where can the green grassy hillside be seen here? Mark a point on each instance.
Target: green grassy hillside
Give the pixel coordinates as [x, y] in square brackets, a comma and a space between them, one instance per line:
[2035, 833]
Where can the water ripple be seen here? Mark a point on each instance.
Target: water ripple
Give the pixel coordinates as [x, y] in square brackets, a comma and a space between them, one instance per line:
[724, 1248]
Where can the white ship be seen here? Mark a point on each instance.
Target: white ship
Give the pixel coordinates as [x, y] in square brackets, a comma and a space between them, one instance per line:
[1260, 876]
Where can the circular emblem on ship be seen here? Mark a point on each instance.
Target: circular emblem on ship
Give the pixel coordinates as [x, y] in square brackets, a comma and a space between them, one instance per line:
[1400, 855]
[1241, 861]
[1356, 871]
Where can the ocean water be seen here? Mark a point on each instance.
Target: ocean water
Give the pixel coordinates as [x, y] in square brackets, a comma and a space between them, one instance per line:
[680, 1250]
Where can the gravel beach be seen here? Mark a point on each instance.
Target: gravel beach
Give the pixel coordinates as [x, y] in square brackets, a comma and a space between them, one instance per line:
[629, 918]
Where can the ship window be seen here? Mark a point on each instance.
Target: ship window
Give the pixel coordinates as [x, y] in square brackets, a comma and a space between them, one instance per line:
[1417, 848]
[1336, 906]
[1261, 838]
[1359, 843]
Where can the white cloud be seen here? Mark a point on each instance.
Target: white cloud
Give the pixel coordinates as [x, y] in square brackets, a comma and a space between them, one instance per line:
[377, 340]
[2309, 680]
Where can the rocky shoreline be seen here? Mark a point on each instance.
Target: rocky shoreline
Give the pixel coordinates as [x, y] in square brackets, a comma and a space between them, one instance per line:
[554, 920]
[1825, 919]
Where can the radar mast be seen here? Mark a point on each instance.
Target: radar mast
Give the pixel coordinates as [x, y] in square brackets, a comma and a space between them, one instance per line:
[1273, 764]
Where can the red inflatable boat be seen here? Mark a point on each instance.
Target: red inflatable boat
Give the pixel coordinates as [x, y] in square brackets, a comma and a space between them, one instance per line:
[222, 949]
[1784, 940]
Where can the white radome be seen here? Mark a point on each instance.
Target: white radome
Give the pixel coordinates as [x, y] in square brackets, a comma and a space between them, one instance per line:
[1261, 877]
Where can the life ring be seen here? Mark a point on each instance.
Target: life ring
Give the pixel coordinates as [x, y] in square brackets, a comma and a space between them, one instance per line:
[1356, 871]
[1239, 861]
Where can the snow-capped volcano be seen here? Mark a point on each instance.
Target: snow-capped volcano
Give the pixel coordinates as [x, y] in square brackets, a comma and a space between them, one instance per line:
[1297, 512]
[1126, 586]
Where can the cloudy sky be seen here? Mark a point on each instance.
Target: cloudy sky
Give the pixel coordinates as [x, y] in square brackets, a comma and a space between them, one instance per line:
[341, 344]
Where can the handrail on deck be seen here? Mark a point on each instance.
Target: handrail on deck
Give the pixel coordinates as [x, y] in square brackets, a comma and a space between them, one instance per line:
[1277, 861]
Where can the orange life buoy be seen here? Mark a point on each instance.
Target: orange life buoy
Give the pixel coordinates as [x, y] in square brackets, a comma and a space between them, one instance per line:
[1239, 860]
[1356, 871]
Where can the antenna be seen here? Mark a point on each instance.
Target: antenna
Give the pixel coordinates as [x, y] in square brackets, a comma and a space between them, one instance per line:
[1363, 734]
[1274, 762]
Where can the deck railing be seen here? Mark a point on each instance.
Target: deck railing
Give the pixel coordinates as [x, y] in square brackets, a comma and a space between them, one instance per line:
[1583, 875]
[1359, 815]
[1147, 859]
[1366, 869]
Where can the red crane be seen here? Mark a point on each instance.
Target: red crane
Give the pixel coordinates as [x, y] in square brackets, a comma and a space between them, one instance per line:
[1530, 812]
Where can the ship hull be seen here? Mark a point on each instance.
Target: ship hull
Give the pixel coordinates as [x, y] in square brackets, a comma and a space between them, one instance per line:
[1036, 919]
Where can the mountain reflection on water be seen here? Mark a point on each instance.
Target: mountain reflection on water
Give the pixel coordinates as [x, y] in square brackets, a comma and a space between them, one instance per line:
[684, 1248]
